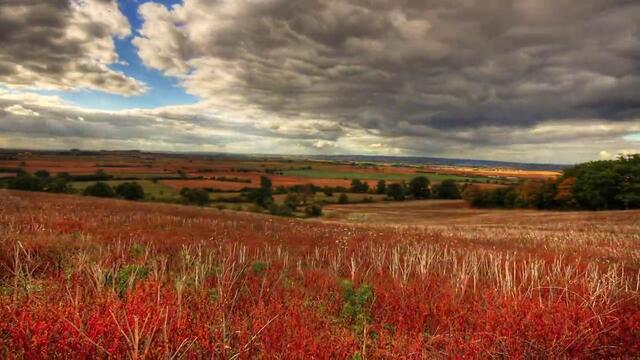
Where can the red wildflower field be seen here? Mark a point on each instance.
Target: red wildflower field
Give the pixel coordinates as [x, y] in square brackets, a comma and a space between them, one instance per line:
[90, 278]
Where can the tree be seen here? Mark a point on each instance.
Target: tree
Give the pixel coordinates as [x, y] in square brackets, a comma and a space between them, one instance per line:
[42, 174]
[57, 184]
[99, 189]
[198, 197]
[102, 175]
[25, 181]
[343, 199]
[313, 210]
[419, 187]
[293, 200]
[395, 191]
[358, 186]
[130, 191]
[381, 187]
[265, 182]
[447, 189]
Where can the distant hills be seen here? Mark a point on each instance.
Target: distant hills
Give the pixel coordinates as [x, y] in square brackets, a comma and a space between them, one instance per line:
[405, 160]
[419, 160]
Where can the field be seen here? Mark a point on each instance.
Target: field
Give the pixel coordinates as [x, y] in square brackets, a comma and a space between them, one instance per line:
[84, 278]
[202, 171]
[154, 190]
[322, 174]
[458, 213]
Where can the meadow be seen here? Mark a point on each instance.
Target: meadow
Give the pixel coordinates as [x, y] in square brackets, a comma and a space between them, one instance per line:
[83, 277]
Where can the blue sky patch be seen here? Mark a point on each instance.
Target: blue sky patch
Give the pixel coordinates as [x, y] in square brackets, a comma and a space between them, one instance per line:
[163, 90]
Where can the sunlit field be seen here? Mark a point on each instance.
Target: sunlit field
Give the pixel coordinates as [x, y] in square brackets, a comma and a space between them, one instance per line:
[91, 278]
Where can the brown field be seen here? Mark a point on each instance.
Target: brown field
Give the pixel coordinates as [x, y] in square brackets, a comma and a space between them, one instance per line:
[131, 164]
[493, 172]
[86, 278]
[458, 213]
[277, 180]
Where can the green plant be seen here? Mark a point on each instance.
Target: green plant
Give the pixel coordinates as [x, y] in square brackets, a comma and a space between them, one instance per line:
[130, 191]
[355, 310]
[99, 189]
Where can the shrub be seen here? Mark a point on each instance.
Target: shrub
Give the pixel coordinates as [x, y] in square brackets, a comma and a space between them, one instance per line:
[42, 174]
[419, 187]
[395, 191]
[355, 310]
[99, 189]
[381, 187]
[130, 191]
[313, 210]
[447, 189]
[358, 186]
[343, 199]
[198, 197]
[27, 182]
[281, 210]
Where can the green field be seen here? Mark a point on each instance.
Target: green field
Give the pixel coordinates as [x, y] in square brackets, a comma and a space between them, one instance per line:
[327, 174]
[143, 175]
[353, 198]
[152, 190]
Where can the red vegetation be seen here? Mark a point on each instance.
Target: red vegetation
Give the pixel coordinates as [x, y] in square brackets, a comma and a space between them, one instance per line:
[86, 278]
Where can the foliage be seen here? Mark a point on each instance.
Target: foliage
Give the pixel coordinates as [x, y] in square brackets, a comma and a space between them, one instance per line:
[343, 199]
[313, 210]
[355, 310]
[358, 186]
[381, 187]
[99, 189]
[419, 187]
[281, 210]
[396, 191]
[262, 196]
[130, 191]
[41, 182]
[198, 197]
[447, 189]
[596, 185]
[77, 283]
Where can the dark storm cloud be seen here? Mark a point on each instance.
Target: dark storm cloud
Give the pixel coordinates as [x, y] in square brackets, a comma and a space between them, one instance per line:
[64, 44]
[442, 64]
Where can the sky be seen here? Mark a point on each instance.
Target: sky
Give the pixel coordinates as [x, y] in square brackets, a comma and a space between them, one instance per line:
[548, 81]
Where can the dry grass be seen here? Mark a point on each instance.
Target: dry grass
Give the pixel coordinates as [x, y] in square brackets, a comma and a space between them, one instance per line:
[201, 282]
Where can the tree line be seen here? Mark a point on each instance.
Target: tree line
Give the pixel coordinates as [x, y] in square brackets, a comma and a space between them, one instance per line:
[594, 185]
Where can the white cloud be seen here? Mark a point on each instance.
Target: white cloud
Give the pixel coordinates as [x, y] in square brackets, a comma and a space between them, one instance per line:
[63, 45]
[21, 111]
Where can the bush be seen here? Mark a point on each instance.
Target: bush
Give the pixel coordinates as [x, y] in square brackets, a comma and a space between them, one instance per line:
[280, 210]
[42, 174]
[419, 187]
[313, 210]
[99, 189]
[395, 191]
[381, 187]
[358, 186]
[130, 191]
[198, 197]
[355, 310]
[343, 199]
[447, 189]
[27, 182]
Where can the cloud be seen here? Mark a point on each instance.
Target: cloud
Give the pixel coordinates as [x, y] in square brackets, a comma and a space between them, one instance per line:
[374, 64]
[543, 81]
[21, 111]
[64, 45]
